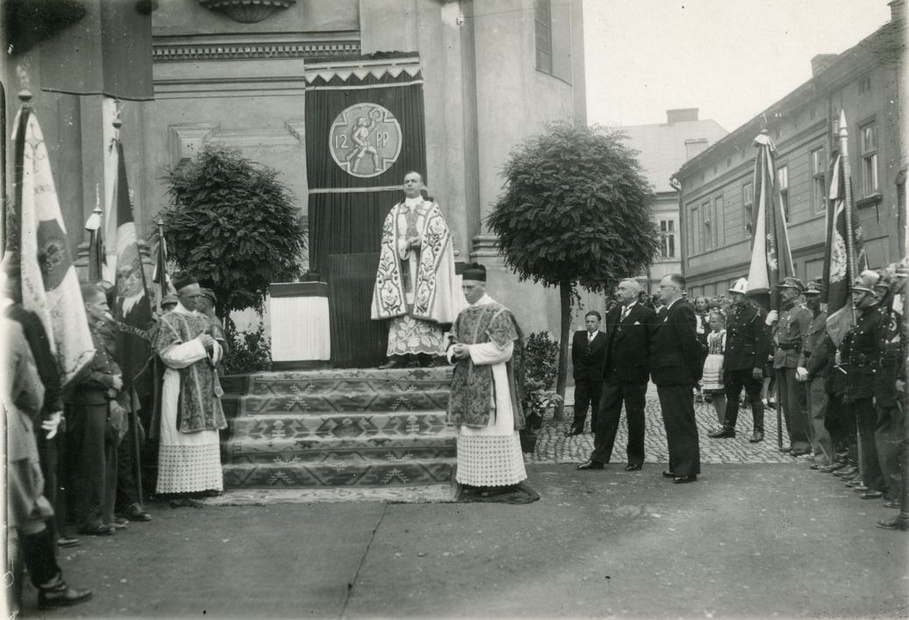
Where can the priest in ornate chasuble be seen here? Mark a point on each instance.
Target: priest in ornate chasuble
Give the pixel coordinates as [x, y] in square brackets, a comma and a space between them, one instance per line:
[189, 458]
[416, 288]
[485, 404]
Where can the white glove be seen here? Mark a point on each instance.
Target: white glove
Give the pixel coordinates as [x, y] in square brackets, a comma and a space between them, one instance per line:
[801, 374]
[772, 317]
[52, 424]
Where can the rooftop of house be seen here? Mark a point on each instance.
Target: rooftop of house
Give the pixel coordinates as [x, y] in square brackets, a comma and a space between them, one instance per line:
[664, 147]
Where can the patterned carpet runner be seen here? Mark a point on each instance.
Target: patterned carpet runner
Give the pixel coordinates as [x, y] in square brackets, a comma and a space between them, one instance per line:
[327, 429]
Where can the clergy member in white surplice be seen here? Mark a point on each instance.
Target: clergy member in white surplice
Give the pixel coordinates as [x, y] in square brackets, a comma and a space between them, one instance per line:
[189, 456]
[416, 289]
[485, 403]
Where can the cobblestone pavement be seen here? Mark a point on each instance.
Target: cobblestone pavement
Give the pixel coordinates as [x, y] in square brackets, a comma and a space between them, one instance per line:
[554, 447]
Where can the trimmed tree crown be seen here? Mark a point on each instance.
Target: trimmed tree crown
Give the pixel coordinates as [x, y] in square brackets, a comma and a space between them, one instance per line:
[233, 224]
[576, 208]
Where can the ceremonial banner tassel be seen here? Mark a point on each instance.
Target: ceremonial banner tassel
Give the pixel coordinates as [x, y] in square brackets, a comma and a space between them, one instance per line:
[844, 256]
[771, 258]
[50, 286]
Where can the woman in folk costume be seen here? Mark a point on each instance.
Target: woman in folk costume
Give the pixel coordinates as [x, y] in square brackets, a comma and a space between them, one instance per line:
[189, 459]
[712, 380]
[416, 289]
[485, 404]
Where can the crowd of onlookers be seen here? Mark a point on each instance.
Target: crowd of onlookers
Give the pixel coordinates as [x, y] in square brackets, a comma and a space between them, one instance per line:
[80, 461]
[838, 381]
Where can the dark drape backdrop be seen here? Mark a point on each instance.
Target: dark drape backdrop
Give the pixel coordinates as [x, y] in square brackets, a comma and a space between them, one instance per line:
[346, 211]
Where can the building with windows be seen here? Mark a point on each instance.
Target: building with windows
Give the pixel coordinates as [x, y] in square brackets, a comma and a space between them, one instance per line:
[662, 148]
[716, 201]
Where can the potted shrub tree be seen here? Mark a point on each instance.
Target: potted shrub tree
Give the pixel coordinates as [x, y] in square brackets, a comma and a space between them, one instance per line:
[540, 370]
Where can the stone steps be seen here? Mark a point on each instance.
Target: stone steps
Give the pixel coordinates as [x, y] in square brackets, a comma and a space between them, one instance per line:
[338, 428]
[325, 449]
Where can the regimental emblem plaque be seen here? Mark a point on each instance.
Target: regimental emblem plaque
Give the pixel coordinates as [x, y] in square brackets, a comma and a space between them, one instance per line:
[365, 140]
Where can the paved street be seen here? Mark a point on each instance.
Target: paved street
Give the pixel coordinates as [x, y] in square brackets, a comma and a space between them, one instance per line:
[763, 538]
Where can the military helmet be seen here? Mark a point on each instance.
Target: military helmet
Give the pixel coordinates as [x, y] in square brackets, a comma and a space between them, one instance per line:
[792, 282]
[739, 286]
[866, 281]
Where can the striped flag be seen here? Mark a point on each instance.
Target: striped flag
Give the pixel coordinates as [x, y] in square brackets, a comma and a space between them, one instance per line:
[50, 286]
[132, 308]
[771, 258]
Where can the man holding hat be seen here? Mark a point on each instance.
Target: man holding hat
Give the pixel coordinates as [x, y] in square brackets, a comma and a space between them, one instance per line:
[484, 402]
[813, 377]
[791, 326]
[861, 350]
[747, 347]
[189, 460]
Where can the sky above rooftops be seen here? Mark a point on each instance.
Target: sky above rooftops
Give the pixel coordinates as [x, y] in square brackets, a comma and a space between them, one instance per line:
[729, 58]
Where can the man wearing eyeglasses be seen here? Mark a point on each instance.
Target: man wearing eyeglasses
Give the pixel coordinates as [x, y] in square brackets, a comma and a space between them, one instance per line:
[189, 461]
[676, 365]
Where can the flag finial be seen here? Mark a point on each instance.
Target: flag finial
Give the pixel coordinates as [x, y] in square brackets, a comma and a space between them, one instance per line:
[842, 124]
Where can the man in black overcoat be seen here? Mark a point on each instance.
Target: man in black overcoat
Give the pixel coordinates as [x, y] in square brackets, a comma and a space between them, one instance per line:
[588, 348]
[628, 328]
[676, 365]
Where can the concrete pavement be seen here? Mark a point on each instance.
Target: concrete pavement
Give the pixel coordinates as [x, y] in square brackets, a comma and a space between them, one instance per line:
[747, 540]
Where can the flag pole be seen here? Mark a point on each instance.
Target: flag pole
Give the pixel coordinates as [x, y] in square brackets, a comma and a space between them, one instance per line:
[133, 397]
[851, 263]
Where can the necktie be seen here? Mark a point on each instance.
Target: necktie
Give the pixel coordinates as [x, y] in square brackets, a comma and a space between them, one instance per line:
[625, 312]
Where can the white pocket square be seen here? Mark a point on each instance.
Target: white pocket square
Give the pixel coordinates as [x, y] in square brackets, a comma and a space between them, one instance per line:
[637, 322]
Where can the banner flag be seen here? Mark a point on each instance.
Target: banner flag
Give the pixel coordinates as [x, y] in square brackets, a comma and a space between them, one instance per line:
[771, 258]
[50, 286]
[132, 308]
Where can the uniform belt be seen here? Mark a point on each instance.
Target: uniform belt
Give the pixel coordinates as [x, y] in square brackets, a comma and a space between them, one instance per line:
[789, 346]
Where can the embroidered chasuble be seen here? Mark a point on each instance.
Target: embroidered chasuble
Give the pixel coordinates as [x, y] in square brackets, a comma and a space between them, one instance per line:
[189, 457]
[416, 289]
[485, 403]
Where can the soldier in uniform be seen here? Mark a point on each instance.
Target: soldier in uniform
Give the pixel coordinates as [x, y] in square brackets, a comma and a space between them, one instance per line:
[894, 362]
[861, 348]
[815, 391]
[747, 346]
[790, 325]
[889, 430]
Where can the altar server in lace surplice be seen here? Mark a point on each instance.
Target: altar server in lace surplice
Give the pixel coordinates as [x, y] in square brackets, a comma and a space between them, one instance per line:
[484, 403]
[189, 459]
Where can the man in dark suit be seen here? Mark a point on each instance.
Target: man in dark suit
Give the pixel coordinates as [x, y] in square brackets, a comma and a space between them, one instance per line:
[676, 365]
[588, 348]
[628, 328]
[747, 346]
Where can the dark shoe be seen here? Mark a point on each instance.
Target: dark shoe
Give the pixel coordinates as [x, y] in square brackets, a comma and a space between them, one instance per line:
[668, 474]
[829, 469]
[574, 431]
[893, 503]
[633, 467]
[845, 471]
[798, 452]
[814, 466]
[591, 465]
[61, 596]
[723, 433]
[756, 437]
[685, 479]
[134, 512]
[392, 364]
[119, 523]
[871, 494]
[861, 488]
[101, 529]
[66, 541]
[894, 524]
